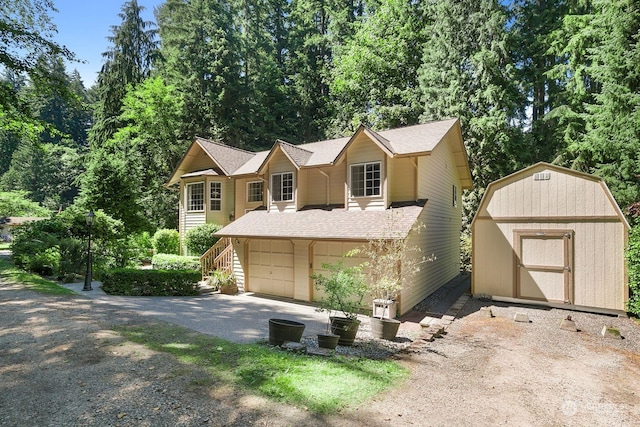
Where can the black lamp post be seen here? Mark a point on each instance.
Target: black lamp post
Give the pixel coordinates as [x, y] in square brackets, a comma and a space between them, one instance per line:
[87, 278]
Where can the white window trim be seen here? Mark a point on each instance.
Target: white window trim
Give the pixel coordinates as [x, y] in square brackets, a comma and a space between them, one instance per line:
[211, 198]
[293, 186]
[364, 164]
[188, 199]
[249, 193]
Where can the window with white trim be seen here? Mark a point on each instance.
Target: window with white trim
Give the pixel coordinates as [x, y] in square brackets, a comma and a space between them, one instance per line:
[282, 187]
[195, 197]
[215, 196]
[365, 180]
[254, 191]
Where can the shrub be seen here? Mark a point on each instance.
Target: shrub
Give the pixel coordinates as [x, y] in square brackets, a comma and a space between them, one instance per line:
[166, 241]
[73, 258]
[135, 282]
[175, 262]
[633, 264]
[198, 240]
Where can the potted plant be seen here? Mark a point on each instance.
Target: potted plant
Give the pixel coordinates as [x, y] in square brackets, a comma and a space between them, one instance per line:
[343, 288]
[223, 282]
[393, 261]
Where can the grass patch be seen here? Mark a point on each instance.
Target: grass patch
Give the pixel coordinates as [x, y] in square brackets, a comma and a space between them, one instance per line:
[11, 274]
[5, 245]
[318, 384]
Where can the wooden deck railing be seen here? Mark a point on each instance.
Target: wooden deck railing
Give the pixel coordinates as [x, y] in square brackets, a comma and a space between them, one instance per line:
[218, 257]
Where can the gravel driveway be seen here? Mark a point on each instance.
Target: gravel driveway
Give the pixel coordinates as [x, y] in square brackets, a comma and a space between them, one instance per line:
[62, 364]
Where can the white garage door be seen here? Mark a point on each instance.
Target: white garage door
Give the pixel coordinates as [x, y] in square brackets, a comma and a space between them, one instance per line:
[331, 253]
[271, 267]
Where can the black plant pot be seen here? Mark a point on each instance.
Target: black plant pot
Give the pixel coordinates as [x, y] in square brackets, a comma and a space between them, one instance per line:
[281, 330]
[346, 328]
[329, 341]
[384, 328]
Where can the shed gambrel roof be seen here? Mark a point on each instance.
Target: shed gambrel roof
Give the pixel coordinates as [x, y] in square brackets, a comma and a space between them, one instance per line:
[541, 167]
[413, 140]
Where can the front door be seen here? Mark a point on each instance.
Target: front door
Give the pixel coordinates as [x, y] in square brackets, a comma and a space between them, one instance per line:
[544, 265]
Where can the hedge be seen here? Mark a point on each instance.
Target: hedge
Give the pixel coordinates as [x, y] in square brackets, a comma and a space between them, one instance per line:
[175, 262]
[135, 282]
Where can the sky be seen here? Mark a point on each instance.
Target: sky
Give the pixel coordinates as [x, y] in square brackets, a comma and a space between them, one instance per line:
[83, 27]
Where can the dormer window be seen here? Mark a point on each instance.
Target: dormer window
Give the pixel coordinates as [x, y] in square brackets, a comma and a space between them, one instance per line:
[282, 187]
[365, 179]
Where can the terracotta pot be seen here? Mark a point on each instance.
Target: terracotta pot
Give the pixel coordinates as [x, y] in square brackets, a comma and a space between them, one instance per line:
[384, 328]
[281, 330]
[329, 341]
[346, 328]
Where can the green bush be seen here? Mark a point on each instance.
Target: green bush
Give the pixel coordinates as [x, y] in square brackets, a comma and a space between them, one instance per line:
[73, 258]
[135, 282]
[198, 240]
[633, 268]
[175, 262]
[166, 241]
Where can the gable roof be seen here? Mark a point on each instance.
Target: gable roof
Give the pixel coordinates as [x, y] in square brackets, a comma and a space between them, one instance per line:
[335, 224]
[413, 140]
[227, 158]
[542, 166]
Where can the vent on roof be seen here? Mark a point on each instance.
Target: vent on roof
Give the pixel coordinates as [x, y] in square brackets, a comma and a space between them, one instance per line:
[542, 176]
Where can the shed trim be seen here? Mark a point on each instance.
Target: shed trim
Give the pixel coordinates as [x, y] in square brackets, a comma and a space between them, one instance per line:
[608, 218]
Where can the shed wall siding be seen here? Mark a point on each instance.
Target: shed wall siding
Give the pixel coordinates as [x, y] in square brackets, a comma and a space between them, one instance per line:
[563, 195]
[599, 273]
[362, 150]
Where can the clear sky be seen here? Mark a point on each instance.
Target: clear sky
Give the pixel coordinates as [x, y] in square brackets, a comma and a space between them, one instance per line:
[83, 27]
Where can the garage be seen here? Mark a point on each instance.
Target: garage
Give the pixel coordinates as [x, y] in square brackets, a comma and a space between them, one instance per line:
[553, 236]
[271, 267]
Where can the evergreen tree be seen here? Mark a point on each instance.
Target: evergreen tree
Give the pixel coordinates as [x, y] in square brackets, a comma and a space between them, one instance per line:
[129, 61]
[467, 73]
[200, 58]
[375, 74]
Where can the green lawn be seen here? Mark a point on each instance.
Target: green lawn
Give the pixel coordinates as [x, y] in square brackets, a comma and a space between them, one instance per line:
[321, 385]
[5, 245]
[9, 273]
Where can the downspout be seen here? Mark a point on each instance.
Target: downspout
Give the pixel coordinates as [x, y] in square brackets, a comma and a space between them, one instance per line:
[328, 192]
[414, 162]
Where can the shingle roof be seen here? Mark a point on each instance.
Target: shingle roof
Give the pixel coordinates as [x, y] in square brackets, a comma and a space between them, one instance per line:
[230, 159]
[299, 155]
[417, 138]
[337, 224]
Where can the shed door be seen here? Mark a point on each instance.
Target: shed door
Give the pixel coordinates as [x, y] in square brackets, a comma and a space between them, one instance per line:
[544, 265]
[271, 267]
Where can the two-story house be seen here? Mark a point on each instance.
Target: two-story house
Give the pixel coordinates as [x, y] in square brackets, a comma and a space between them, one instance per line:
[288, 210]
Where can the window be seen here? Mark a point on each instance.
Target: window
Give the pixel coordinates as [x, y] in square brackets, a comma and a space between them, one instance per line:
[195, 196]
[365, 180]
[282, 187]
[254, 191]
[454, 197]
[215, 196]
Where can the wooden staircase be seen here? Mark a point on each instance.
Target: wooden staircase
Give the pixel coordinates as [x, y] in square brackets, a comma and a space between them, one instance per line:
[218, 257]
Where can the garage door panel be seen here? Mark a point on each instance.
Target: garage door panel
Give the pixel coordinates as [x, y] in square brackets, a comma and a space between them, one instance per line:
[271, 267]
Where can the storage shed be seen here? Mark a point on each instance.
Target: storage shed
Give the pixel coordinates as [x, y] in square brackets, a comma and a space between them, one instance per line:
[553, 236]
